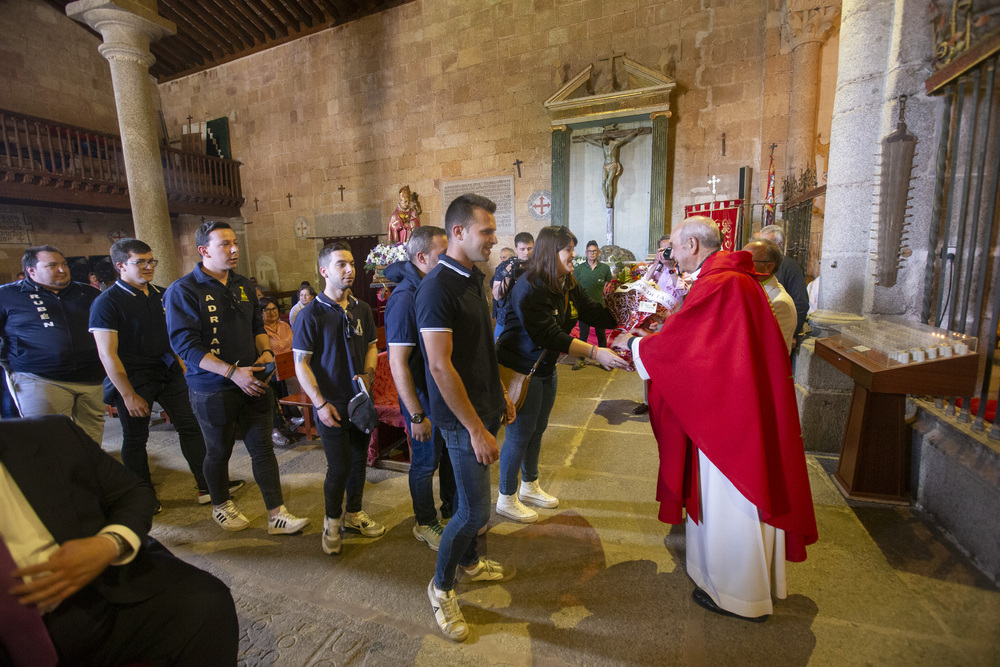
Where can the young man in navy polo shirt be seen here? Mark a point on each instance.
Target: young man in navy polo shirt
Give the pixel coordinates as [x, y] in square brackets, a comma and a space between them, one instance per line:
[217, 328]
[327, 330]
[130, 327]
[51, 358]
[406, 360]
[467, 400]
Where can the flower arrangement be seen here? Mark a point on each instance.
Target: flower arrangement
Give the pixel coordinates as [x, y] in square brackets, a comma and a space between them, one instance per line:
[384, 254]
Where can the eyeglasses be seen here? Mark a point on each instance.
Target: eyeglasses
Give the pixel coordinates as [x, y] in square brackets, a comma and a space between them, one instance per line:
[270, 309]
[142, 263]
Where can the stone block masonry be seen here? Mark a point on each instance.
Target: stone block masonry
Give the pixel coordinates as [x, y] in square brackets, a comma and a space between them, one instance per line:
[453, 90]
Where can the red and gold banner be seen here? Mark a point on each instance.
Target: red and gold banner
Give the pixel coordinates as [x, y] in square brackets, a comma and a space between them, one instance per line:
[726, 215]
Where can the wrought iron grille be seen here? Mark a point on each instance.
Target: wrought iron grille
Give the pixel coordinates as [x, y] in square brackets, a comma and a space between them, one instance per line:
[962, 280]
[796, 210]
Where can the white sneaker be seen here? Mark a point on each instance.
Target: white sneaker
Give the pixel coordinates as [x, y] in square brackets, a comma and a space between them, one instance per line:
[331, 536]
[512, 508]
[230, 518]
[430, 534]
[362, 523]
[532, 494]
[285, 523]
[486, 570]
[447, 614]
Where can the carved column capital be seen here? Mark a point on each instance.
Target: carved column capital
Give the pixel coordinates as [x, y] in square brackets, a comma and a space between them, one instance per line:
[127, 27]
[811, 25]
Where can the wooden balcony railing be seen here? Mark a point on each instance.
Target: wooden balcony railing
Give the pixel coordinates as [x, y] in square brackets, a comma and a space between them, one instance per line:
[53, 163]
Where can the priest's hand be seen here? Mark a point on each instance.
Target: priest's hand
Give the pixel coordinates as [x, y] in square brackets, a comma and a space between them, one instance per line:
[73, 565]
[620, 342]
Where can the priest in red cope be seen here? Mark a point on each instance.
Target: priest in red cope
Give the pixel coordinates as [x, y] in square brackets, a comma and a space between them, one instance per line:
[722, 406]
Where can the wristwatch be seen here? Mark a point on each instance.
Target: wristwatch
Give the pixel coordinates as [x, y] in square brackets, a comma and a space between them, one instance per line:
[418, 418]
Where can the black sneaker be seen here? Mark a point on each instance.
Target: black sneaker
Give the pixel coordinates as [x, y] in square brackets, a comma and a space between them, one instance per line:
[204, 497]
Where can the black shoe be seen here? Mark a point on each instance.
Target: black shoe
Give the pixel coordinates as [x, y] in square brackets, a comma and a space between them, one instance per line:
[705, 601]
[640, 409]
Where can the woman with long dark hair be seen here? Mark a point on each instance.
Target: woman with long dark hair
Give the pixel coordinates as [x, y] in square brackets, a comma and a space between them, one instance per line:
[545, 304]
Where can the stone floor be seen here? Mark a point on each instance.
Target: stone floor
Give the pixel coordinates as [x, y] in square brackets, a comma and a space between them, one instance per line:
[600, 581]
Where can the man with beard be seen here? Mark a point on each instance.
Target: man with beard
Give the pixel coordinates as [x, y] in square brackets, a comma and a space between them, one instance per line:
[330, 328]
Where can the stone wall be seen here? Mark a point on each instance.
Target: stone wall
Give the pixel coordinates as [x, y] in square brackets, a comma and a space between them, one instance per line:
[451, 90]
[50, 67]
[58, 227]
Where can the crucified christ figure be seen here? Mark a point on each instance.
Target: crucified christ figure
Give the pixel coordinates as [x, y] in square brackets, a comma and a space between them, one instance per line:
[612, 146]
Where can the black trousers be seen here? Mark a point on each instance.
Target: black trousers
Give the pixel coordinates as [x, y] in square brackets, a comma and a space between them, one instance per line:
[192, 621]
[602, 340]
[346, 450]
[171, 391]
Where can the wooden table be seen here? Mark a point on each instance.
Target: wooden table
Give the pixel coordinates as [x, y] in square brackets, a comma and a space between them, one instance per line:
[875, 456]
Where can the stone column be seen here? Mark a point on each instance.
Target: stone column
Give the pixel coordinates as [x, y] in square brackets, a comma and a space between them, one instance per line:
[865, 36]
[809, 29]
[560, 174]
[128, 27]
[659, 172]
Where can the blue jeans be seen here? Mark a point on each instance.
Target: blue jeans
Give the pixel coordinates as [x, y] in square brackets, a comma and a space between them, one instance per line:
[425, 458]
[171, 391]
[219, 413]
[459, 543]
[523, 438]
[346, 450]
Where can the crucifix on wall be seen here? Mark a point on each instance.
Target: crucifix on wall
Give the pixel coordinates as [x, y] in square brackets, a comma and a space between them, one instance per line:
[713, 182]
[610, 142]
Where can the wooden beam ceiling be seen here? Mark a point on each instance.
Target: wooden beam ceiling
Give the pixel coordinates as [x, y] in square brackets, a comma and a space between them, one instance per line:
[212, 32]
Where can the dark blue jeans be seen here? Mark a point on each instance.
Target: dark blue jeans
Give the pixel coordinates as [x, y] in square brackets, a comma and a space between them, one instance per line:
[346, 450]
[523, 438]
[459, 543]
[219, 413]
[171, 391]
[425, 458]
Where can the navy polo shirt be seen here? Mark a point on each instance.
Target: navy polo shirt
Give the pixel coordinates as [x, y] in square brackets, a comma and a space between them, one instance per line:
[452, 298]
[401, 326]
[204, 316]
[319, 330]
[140, 322]
[45, 332]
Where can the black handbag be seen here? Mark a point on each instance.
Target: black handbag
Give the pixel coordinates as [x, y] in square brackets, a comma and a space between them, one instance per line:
[361, 409]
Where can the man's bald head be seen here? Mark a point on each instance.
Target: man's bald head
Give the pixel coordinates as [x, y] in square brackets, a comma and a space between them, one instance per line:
[693, 240]
[766, 256]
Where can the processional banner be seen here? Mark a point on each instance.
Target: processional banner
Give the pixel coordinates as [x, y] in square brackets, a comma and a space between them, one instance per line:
[727, 214]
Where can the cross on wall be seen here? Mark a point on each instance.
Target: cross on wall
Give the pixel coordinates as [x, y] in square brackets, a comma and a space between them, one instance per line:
[542, 205]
